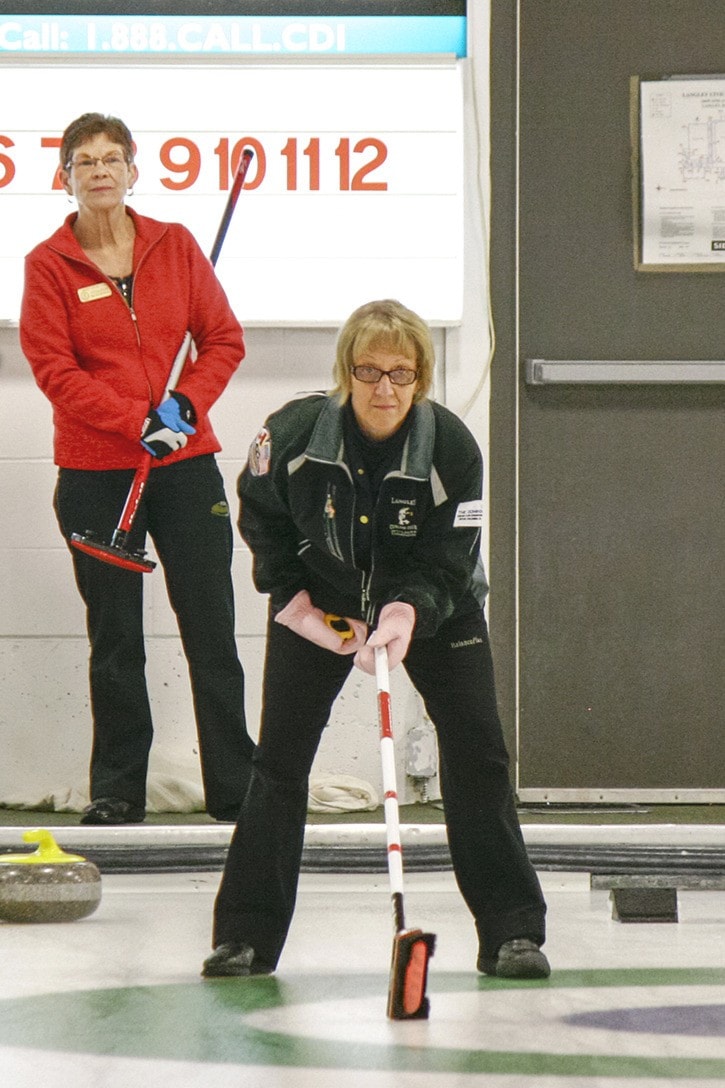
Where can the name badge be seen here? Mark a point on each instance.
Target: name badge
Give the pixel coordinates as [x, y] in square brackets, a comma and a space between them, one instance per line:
[96, 290]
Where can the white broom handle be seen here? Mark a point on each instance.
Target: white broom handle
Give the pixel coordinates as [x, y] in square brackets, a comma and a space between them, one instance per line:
[390, 790]
[178, 365]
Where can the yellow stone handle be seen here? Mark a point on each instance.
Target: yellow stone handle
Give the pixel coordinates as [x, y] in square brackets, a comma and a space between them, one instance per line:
[340, 626]
[48, 852]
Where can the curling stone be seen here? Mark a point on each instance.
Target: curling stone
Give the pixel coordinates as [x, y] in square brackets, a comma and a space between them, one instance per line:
[48, 885]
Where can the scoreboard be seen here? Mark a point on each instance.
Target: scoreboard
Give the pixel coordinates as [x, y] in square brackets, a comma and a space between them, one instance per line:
[356, 186]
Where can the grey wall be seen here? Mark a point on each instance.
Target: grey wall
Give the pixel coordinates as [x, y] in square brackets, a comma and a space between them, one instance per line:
[612, 554]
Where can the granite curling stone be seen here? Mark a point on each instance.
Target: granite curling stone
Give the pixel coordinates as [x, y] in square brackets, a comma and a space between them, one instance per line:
[47, 885]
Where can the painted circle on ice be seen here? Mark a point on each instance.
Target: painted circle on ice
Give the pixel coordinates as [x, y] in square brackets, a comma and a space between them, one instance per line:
[330, 1022]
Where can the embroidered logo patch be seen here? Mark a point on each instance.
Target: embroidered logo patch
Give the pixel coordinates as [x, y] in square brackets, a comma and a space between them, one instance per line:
[260, 453]
[404, 524]
[220, 509]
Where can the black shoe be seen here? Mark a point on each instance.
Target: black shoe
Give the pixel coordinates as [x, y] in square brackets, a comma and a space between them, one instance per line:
[234, 960]
[111, 810]
[517, 958]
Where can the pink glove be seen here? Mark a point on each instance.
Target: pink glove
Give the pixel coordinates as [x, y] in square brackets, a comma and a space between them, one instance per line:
[394, 630]
[301, 616]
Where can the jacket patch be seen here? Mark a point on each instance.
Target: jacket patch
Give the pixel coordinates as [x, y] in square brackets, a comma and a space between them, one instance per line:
[468, 514]
[404, 524]
[260, 453]
[220, 509]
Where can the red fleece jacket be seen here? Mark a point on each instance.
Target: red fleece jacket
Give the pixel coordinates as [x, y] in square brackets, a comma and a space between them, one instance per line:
[102, 365]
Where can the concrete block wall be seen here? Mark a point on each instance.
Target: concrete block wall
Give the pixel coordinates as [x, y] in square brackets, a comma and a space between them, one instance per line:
[45, 717]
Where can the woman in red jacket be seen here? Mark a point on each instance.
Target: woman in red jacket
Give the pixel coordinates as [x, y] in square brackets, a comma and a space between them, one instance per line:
[107, 301]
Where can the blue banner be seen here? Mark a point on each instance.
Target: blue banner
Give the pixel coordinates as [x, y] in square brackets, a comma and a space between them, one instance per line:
[233, 36]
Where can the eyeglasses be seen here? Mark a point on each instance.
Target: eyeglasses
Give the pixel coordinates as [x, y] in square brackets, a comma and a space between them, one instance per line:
[371, 374]
[111, 162]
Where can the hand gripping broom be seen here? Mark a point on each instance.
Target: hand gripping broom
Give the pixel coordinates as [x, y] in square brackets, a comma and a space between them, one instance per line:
[116, 552]
[411, 947]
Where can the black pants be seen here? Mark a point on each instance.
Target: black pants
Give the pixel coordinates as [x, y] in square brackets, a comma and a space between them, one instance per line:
[454, 674]
[185, 512]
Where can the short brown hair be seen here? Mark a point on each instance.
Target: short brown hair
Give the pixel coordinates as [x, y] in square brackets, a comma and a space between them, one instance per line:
[389, 326]
[95, 124]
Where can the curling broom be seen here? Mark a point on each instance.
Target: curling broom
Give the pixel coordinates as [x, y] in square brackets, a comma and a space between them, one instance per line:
[116, 552]
[412, 948]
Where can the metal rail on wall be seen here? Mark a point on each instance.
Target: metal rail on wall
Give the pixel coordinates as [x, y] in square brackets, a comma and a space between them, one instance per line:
[623, 372]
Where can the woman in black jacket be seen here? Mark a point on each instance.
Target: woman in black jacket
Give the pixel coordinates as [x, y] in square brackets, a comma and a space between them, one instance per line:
[367, 503]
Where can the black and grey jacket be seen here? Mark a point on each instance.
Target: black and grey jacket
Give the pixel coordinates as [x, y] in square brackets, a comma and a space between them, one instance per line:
[299, 505]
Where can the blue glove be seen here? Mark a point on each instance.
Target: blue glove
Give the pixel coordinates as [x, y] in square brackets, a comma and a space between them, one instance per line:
[166, 427]
[186, 408]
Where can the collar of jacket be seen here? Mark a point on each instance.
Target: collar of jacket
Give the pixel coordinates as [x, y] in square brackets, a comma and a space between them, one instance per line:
[148, 232]
[416, 462]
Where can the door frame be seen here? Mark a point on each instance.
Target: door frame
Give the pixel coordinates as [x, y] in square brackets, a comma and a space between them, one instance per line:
[507, 376]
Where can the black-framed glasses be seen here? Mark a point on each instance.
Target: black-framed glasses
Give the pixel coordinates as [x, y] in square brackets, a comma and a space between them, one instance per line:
[372, 374]
[114, 161]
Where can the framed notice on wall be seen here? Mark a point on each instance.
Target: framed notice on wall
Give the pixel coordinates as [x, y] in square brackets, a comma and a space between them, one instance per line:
[355, 190]
[678, 126]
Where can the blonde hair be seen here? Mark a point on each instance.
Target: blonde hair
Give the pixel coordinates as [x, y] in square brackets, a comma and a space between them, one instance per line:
[384, 325]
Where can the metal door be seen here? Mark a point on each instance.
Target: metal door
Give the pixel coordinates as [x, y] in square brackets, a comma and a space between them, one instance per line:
[614, 556]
